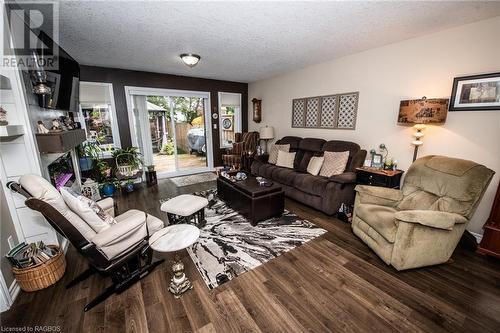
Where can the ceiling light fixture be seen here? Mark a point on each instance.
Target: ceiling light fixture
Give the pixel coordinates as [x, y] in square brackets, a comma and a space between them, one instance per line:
[190, 59]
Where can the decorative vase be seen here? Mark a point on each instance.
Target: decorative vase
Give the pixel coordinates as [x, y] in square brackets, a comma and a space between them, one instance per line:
[108, 190]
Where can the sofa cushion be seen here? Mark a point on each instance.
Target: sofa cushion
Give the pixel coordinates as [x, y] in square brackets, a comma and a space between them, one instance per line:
[273, 153]
[315, 164]
[293, 141]
[285, 159]
[338, 145]
[301, 158]
[283, 175]
[334, 163]
[310, 184]
[266, 170]
[308, 148]
[380, 218]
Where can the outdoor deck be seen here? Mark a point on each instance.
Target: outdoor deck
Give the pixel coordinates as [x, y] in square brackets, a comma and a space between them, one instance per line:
[166, 163]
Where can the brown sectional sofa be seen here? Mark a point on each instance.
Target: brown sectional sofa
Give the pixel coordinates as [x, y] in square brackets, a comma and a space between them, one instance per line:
[324, 194]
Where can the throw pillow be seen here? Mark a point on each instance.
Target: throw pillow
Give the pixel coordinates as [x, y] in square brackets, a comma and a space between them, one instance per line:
[315, 164]
[88, 210]
[285, 159]
[273, 153]
[334, 163]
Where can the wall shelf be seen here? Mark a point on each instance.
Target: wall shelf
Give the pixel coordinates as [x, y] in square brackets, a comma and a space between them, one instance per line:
[10, 132]
[60, 142]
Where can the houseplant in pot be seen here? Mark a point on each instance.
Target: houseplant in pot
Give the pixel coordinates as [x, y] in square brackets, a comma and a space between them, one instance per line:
[103, 168]
[87, 153]
[128, 162]
[108, 186]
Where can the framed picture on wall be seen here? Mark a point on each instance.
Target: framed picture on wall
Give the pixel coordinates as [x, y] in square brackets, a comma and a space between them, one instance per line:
[476, 93]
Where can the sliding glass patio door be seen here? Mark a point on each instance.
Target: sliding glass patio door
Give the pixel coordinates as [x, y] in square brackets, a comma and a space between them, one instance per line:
[172, 129]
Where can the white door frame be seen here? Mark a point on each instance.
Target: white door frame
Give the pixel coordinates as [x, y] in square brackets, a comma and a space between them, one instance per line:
[145, 91]
[114, 117]
[237, 117]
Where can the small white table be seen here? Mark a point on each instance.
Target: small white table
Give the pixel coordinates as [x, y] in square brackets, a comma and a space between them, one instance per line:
[172, 239]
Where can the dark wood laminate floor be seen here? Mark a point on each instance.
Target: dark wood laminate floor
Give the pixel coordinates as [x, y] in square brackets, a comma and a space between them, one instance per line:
[332, 284]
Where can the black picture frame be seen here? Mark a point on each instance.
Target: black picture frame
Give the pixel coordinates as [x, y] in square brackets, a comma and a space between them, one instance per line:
[453, 106]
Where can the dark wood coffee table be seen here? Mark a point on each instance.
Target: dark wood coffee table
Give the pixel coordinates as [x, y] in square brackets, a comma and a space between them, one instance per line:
[251, 200]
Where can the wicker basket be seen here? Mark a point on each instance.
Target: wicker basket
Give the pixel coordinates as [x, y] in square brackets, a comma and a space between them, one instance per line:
[42, 275]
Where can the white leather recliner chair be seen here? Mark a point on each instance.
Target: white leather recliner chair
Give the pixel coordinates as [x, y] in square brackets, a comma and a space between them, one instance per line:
[120, 250]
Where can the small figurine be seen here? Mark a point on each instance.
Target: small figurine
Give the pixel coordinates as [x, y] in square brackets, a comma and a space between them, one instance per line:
[62, 123]
[3, 117]
[56, 126]
[70, 124]
[41, 128]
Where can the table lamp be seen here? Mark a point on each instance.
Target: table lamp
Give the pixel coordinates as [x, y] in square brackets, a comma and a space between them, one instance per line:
[419, 113]
[266, 134]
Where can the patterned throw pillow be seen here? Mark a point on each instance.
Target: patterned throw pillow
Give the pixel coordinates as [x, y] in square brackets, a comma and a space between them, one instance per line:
[315, 164]
[285, 159]
[334, 163]
[88, 210]
[273, 154]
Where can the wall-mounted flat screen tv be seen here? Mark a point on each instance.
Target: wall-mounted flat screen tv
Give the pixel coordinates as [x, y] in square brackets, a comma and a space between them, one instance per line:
[63, 79]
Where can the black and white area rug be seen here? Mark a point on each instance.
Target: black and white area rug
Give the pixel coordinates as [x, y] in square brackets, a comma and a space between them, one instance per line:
[230, 246]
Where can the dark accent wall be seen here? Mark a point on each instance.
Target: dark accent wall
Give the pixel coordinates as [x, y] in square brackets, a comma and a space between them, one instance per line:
[122, 77]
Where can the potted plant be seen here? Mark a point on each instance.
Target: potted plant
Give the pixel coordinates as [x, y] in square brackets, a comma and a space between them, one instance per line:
[103, 168]
[87, 153]
[108, 186]
[128, 162]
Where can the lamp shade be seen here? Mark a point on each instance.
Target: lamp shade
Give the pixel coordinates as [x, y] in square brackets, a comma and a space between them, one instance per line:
[423, 111]
[266, 133]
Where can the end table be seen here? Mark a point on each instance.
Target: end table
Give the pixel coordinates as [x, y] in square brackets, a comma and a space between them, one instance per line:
[378, 177]
[173, 239]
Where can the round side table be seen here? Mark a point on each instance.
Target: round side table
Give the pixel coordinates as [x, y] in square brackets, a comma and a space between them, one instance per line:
[173, 239]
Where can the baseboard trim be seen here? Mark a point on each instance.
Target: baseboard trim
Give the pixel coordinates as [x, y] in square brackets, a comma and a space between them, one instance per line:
[14, 290]
[477, 236]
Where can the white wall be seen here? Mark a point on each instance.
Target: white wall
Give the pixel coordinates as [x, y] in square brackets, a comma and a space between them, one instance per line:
[386, 75]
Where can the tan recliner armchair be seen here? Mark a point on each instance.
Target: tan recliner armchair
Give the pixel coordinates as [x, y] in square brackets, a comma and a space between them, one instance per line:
[422, 223]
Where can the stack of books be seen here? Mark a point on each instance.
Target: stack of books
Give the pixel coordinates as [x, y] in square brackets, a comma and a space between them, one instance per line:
[27, 255]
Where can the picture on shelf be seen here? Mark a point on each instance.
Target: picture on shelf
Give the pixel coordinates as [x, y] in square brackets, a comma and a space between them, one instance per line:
[476, 93]
[377, 161]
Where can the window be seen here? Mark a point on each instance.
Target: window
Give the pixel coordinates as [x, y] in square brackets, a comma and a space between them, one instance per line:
[229, 117]
[98, 114]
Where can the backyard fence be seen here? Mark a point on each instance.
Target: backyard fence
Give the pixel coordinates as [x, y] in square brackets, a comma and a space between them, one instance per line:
[181, 131]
